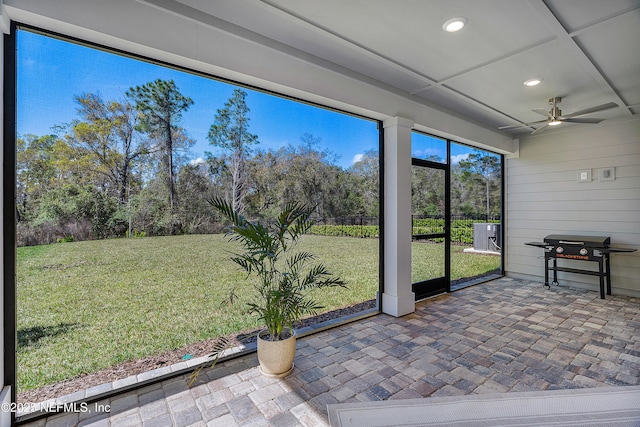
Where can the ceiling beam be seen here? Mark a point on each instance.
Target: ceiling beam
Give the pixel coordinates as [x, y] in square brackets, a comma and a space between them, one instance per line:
[202, 18]
[572, 46]
[606, 21]
[429, 82]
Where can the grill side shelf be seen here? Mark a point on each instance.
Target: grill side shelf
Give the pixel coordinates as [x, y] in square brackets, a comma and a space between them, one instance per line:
[616, 250]
[538, 244]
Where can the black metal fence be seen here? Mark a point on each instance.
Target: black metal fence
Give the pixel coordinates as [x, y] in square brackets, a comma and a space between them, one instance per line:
[348, 226]
[368, 227]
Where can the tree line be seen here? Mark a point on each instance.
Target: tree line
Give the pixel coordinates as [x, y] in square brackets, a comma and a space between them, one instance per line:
[475, 188]
[122, 168]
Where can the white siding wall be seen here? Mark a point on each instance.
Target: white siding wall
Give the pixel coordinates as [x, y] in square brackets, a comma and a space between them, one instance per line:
[544, 197]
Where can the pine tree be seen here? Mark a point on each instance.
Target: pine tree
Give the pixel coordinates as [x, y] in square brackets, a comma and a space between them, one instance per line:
[230, 131]
[161, 105]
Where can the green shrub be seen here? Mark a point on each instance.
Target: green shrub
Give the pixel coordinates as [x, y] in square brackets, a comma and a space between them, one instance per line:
[461, 230]
[363, 231]
[136, 234]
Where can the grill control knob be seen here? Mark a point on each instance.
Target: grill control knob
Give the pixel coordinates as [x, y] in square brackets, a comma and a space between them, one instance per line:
[559, 249]
[584, 251]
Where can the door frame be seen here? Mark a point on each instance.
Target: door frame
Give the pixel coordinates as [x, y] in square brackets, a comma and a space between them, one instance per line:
[438, 285]
[431, 287]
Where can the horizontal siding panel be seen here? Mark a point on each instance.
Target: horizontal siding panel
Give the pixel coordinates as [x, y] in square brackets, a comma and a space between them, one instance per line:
[627, 263]
[519, 248]
[600, 195]
[572, 226]
[522, 234]
[525, 255]
[582, 191]
[530, 270]
[543, 211]
[623, 176]
[612, 208]
[537, 175]
[625, 167]
[623, 234]
[551, 160]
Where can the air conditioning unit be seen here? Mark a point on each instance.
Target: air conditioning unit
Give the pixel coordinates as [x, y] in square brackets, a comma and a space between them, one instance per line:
[486, 236]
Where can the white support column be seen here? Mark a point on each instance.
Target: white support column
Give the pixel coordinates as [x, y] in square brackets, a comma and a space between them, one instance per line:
[398, 298]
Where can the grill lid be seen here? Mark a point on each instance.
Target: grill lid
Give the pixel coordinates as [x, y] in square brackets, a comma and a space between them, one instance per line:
[584, 241]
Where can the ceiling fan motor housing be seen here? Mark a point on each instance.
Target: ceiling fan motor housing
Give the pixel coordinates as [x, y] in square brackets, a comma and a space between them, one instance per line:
[555, 112]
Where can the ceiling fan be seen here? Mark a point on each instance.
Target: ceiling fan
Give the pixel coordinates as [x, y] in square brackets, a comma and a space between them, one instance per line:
[554, 116]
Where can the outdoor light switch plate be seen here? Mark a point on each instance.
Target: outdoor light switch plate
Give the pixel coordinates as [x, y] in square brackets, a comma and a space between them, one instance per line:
[584, 175]
[607, 174]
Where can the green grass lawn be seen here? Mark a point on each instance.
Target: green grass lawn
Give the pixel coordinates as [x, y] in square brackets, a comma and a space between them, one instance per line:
[427, 262]
[85, 306]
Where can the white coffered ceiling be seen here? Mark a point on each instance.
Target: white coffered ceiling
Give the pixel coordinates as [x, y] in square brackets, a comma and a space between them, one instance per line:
[586, 51]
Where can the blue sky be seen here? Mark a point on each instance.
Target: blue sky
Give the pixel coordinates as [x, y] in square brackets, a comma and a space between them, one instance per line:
[51, 72]
[425, 146]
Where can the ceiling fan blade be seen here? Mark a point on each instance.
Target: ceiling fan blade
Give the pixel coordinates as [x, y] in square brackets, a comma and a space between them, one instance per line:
[522, 125]
[543, 112]
[540, 129]
[512, 127]
[581, 120]
[592, 110]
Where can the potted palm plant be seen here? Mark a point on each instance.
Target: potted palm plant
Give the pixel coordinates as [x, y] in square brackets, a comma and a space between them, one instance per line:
[285, 278]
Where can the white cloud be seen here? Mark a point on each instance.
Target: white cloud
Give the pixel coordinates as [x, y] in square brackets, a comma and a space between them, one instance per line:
[357, 158]
[195, 162]
[458, 158]
[429, 151]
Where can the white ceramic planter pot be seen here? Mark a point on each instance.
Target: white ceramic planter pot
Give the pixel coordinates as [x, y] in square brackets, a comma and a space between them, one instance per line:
[276, 357]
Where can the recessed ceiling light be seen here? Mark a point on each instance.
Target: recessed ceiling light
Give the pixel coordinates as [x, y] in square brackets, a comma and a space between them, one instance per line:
[554, 122]
[454, 24]
[533, 82]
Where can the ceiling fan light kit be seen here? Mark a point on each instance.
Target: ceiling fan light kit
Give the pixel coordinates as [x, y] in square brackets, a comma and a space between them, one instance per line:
[555, 117]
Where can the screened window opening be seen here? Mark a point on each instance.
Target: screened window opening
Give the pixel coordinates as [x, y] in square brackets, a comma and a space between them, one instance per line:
[120, 255]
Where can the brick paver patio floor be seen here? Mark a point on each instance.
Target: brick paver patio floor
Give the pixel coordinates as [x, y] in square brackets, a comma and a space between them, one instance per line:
[502, 336]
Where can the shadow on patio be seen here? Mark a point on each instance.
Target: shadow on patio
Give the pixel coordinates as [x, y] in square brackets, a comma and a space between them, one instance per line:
[498, 337]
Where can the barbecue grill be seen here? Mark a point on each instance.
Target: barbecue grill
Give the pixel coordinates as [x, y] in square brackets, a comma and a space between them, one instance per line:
[583, 248]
